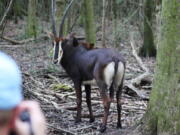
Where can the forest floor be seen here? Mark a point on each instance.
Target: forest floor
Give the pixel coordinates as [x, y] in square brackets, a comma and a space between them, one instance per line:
[48, 84]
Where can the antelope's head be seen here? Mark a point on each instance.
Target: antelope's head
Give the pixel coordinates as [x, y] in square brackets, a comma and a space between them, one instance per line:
[58, 41]
[60, 45]
[57, 50]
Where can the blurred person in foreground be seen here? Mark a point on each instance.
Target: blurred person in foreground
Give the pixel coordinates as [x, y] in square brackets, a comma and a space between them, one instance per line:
[17, 117]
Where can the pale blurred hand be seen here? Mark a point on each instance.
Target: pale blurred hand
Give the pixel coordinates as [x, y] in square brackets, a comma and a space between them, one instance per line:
[37, 119]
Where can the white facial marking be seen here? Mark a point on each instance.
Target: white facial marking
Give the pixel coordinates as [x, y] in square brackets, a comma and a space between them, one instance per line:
[60, 52]
[109, 73]
[54, 45]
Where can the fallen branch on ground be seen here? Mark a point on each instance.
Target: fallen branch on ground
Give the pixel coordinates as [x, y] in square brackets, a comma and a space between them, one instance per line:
[60, 130]
[136, 81]
[15, 41]
[22, 41]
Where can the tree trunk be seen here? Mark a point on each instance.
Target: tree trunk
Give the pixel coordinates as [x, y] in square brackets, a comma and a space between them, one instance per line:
[32, 24]
[115, 31]
[148, 48]
[109, 9]
[104, 24]
[16, 10]
[89, 21]
[163, 115]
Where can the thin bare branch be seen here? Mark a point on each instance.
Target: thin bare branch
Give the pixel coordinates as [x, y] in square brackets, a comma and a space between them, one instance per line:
[22, 41]
[104, 24]
[6, 12]
[53, 8]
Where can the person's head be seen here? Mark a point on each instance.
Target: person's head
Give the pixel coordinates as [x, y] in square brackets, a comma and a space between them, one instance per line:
[10, 88]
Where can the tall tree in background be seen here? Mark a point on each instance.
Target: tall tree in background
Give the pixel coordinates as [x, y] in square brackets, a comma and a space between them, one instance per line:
[18, 9]
[163, 115]
[148, 48]
[104, 24]
[32, 24]
[89, 21]
[114, 9]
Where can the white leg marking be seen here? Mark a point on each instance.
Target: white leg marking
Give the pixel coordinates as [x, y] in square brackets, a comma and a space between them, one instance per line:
[91, 82]
[60, 52]
[109, 73]
[119, 74]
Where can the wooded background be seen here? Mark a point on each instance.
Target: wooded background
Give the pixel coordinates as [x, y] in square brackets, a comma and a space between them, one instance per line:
[120, 16]
[153, 25]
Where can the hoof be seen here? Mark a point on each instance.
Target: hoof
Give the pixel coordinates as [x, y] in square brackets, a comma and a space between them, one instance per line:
[92, 120]
[102, 128]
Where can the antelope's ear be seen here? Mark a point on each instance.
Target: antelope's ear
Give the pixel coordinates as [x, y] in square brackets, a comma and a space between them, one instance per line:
[75, 42]
[91, 45]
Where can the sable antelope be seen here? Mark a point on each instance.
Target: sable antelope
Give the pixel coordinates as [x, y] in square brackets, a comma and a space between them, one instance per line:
[104, 65]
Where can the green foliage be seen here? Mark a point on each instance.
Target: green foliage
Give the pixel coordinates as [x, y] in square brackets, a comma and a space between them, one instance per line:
[60, 87]
[32, 24]
[119, 1]
[50, 53]
[18, 9]
[121, 32]
[2, 7]
[51, 68]
[44, 8]
[148, 49]
[89, 21]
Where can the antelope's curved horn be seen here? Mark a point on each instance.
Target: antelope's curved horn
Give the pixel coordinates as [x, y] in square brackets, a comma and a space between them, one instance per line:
[63, 18]
[53, 7]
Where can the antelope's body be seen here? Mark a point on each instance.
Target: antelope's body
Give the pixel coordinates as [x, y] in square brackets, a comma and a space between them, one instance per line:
[104, 65]
[82, 63]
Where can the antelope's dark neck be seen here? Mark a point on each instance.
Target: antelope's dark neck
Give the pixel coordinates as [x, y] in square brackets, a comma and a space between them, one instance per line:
[69, 57]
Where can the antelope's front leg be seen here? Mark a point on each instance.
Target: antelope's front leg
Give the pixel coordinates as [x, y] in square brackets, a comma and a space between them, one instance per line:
[88, 101]
[78, 101]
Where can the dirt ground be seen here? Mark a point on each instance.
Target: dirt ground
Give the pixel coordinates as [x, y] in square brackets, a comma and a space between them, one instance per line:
[40, 79]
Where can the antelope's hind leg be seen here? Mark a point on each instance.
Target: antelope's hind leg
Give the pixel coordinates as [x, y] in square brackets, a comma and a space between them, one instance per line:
[119, 84]
[106, 103]
[104, 85]
[119, 107]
